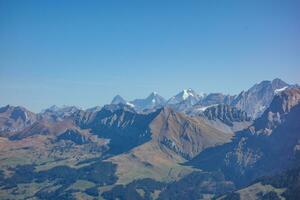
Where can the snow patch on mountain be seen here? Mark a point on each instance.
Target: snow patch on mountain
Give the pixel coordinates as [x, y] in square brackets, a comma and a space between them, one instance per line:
[205, 107]
[277, 91]
[187, 93]
[130, 104]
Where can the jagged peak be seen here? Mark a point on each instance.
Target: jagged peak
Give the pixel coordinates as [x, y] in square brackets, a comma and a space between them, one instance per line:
[154, 94]
[278, 81]
[186, 94]
[11, 108]
[118, 99]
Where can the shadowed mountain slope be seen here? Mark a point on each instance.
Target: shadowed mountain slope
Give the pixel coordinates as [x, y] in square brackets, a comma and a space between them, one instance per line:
[252, 154]
[175, 137]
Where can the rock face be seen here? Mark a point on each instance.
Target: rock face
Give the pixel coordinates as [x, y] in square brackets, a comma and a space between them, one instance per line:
[258, 98]
[253, 153]
[13, 119]
[216, 98]
[278, 110]
[226, 114]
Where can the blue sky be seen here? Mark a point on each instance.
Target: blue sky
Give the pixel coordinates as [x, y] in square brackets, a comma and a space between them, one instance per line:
[85, 52]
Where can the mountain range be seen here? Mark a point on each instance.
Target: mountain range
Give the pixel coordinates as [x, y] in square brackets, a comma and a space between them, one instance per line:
[191, 146]
[253, 101]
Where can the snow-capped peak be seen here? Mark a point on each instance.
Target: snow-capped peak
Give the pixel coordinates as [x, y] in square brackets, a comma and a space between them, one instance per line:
[184, 95]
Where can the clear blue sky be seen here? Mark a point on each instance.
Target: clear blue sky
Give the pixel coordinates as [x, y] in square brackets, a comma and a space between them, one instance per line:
[85, 52]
